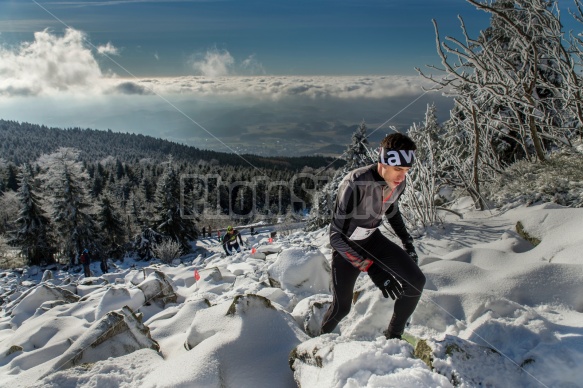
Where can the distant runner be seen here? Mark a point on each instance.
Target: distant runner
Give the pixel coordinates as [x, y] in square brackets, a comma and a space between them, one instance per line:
[230, 244]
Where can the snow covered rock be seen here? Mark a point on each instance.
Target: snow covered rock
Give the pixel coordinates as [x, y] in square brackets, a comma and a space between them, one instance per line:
[269, 249]
[554, 230]
[212, 280]
[332, 361]
[25, 306]
[47, 275]
[285, 299]
[157, 286]
[124, 371]
[116, 297]
[301, 270]
[243, 343]
[257, 255]
[118, 333]
[309, 312]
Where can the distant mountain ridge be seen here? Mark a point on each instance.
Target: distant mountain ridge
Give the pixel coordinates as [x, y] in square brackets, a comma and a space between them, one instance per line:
[25, 142]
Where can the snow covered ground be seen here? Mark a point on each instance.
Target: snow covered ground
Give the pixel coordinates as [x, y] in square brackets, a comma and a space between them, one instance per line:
[497, 311]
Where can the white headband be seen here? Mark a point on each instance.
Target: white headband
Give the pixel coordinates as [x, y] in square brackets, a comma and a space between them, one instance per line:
[391, 157]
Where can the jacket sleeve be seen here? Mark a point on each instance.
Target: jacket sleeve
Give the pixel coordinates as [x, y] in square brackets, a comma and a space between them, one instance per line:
[396, 220]
[340, 224]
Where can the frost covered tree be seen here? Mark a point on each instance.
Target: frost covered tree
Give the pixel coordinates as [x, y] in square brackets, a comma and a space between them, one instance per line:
[507, 81]
[33, 224]
[358, 154]
[111, 225]
[64, 184]
[168, 218]
[424, 178]
[509, 86]
[9, 207]
[571, 61]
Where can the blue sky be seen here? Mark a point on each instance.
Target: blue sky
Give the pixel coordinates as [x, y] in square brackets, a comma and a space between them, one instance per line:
[323, 37]
[268, 77]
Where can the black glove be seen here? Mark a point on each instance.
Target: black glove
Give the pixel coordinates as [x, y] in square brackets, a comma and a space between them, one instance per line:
[385, 281]
[410, 249]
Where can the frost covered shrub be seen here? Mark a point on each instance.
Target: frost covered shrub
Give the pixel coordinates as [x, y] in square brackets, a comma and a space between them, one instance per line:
[559, 180]
[3, 252]
[167, 250]
[8, 258]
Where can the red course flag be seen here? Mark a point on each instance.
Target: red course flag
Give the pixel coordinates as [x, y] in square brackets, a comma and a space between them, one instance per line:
[253, 250]
[196, 275]
[270, 240]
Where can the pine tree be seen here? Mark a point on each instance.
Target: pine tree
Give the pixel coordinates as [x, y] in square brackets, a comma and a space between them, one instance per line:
[112, 226]
[167, 210]
[32, 235]
[136, 213]
[12, 178]
[64, 184]
[2, 175]
[243, 204]
[357, 154]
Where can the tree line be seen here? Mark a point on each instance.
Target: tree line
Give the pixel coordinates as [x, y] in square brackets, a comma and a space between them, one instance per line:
[64, 201]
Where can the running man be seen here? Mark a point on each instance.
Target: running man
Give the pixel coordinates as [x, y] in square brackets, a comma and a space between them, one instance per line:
[364, 196]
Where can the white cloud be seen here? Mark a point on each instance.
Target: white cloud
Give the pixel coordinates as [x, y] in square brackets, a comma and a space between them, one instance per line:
[277, 87]
[214, 63]
[108, 49]
[252, 65]
[65, 64]
[220, 63]
[49, 64]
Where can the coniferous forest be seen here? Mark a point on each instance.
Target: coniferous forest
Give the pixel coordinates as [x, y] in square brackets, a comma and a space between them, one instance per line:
[66, 190]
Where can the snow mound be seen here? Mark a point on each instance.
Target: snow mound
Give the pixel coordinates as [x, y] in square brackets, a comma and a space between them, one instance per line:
[243, 343]
[332, 361]
[25, 306]
[301, 270]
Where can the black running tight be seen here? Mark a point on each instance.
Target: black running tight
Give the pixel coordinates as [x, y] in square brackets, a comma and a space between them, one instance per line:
[391, 258]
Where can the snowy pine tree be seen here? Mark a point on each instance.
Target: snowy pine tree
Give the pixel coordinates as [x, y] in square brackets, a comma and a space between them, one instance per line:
[111, 225]
[358, 152]
[32, 235]
[167, 211]
[64, 180]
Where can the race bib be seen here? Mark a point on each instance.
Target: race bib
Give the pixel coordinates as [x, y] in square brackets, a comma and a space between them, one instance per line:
[361, 233]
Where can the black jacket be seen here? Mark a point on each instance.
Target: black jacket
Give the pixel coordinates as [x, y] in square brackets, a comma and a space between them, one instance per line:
[363, 198]
[230, 239]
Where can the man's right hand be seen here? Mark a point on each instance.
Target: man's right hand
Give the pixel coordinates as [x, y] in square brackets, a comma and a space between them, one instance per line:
[386, 282]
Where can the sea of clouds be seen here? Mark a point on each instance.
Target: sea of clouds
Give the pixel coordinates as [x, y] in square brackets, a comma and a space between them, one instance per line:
[63, 80]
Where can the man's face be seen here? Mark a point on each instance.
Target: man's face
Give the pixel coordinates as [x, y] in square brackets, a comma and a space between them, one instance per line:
[393, 175]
